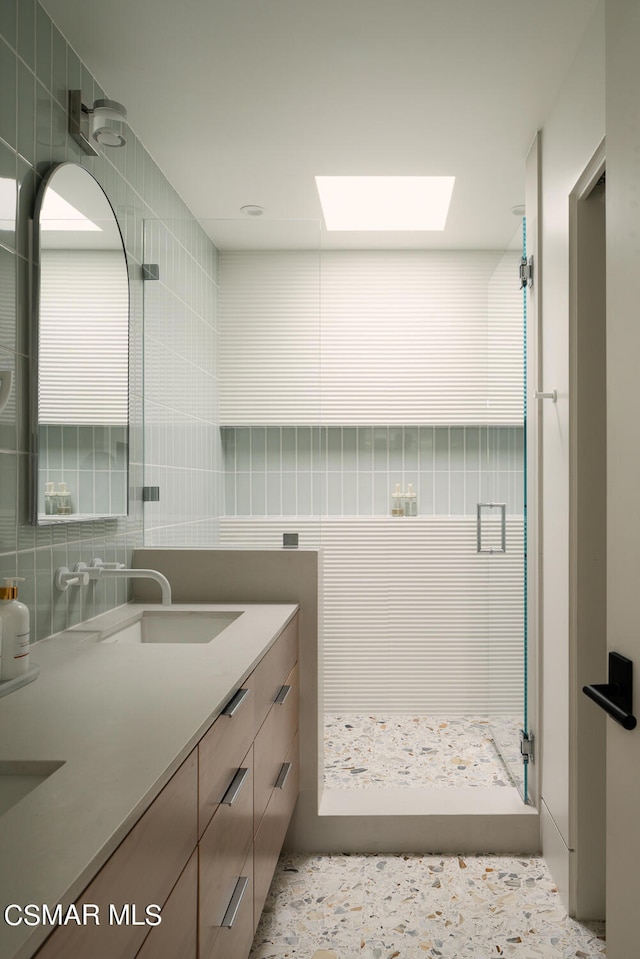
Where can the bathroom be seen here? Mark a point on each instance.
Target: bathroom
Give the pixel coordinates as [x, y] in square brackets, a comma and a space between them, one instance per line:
[171, 373]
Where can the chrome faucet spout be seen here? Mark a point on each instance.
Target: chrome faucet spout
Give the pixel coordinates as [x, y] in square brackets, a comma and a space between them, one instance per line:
[153, 574]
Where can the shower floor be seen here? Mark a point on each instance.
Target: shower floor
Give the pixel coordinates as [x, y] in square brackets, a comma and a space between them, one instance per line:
[385, 750]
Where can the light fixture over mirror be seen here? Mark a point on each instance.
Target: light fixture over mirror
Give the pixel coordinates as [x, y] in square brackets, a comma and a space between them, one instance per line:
[103, 124]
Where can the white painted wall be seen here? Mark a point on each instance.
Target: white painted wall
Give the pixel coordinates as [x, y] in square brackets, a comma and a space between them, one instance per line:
[570, 137]
[370, 337]
[415, 621]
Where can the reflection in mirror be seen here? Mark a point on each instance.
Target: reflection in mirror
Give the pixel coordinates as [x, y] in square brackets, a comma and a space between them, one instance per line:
[82, 292]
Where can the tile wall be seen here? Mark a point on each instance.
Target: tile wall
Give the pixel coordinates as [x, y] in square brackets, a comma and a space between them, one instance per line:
[351, 471]
[37, 67]
[183, 455]
[91, 460]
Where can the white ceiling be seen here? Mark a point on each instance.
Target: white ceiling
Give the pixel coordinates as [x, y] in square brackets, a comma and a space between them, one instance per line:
[245, 101]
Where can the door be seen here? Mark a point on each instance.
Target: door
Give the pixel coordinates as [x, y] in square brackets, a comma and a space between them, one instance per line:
[623, 462]
[587, 536]
[501, 527]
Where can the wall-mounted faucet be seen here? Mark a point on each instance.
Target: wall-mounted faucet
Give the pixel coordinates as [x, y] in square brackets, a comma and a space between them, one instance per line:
[83, 574]
[98, 570]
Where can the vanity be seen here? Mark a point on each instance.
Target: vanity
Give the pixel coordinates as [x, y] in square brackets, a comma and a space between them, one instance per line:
[167, 773]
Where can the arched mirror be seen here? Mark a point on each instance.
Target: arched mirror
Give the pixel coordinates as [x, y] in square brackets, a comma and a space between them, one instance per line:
[82, 334]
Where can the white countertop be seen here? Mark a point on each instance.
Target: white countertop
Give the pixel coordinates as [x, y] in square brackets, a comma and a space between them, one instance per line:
[121, 718]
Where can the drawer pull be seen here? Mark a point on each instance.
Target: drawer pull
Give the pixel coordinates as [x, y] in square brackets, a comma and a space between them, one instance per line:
[235, 702]
[282, 695]
[236, 899]
[236, 785]
[283, 775]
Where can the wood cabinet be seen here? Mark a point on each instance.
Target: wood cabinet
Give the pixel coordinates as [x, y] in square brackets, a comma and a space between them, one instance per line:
[206, 849]
[228, 887]
[273, 828]
[141, 872]
[272, 744]
[224, 849]
[222, 749]
[177, 936]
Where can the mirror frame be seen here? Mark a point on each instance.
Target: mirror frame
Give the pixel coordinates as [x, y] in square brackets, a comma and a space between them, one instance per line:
[34, 457]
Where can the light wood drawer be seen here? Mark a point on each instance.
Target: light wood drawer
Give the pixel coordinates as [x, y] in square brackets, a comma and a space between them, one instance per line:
[270, 674]
[272, 830]
[220, 751]
[235, 942]
[177, 935]
[142, 871]
[224, 848]
[272, 745]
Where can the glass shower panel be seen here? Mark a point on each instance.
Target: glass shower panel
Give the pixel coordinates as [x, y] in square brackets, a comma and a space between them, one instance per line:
[181, 439]
[421, 382]
[506, 566]
[231, 382]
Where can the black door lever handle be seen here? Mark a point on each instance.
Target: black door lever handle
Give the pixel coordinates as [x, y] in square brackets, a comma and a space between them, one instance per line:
[616, 696]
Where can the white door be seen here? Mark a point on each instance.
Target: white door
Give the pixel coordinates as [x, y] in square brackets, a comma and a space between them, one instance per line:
[623, 461]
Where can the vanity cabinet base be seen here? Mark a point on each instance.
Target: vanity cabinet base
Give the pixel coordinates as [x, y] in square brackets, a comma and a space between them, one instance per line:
[206, 849]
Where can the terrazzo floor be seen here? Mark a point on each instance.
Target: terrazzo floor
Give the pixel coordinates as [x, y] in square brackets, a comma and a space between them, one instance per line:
[419, 907]
[405, 750]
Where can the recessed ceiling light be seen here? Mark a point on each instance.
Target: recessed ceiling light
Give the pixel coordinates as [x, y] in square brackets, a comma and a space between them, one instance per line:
[385, 202]
[518, 210]
[252, 209]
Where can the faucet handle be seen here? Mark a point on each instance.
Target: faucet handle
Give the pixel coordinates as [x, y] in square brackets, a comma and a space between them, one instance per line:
[64, 578]
[93, 572]
[97, 563]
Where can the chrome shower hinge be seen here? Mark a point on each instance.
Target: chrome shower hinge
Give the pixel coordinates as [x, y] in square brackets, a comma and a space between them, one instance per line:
[526, 746]
[526, 272]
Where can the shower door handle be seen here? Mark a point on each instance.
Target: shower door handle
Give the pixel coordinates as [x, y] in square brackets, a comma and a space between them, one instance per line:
[503, 528]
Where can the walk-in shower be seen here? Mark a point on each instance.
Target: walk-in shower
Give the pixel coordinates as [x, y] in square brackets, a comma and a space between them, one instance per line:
[341, 377]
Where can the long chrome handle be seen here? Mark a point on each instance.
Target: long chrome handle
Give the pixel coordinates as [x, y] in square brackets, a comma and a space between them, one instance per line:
[234, 788]
[503, 527]
[283, 775]
[282, 695]
[551, 395]
[236, 899]
[235, 702]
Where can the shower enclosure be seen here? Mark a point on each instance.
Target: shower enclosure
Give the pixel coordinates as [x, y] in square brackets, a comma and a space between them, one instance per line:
[333, 377]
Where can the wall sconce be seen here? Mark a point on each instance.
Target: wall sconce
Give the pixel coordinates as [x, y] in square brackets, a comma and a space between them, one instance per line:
[103, 124]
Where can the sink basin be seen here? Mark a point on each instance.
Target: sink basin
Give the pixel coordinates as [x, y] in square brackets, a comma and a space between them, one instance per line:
[173, 626]
[18, 779]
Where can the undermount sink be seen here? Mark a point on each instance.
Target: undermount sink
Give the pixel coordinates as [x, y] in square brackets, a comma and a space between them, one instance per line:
[18, 779]
[173, 626]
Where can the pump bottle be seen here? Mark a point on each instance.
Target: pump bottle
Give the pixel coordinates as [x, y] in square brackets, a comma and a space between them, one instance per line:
[397, 501]
[14, 617]
[49, 500]
[63, 498]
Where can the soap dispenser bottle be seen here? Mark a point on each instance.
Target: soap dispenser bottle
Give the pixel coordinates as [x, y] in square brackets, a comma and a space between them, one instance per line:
[411, 502]
[50, 504]
[63, 497]
[15, 631]
[397, 501]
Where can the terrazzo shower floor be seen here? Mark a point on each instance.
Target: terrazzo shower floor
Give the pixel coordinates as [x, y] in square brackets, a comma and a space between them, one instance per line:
[419, 907]
[405, 750]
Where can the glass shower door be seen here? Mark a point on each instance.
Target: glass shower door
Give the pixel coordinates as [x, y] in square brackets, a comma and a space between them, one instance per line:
[502, 546]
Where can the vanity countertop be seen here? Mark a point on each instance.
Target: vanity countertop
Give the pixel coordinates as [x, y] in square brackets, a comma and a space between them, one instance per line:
[121, 718]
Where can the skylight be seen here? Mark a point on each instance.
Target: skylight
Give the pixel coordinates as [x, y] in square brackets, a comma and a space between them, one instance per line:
[58, 214]
[385, 202]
